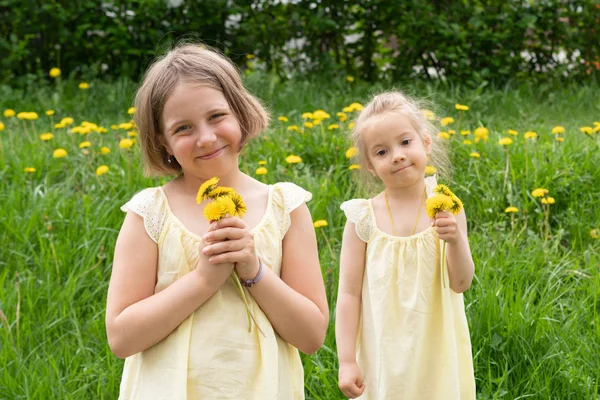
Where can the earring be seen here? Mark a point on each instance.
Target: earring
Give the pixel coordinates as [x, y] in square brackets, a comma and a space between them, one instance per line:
[169, 159]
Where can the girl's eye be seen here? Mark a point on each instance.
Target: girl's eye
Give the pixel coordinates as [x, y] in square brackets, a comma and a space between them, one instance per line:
[216, 116]
[380, 153]
[406, 142]
[182, 128]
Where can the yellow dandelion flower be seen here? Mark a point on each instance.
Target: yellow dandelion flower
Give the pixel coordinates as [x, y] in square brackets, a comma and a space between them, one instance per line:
[511, 209]
[351, 125]
[293, 128]
[465, 133]
[220, 191]
[132, 134]
[320, 223]
[351, 152]
[59, 126]
[586, 129]
[539, 192]
[596, 128]
[356, 106]
[320, 114]
[293, 159]
[447, 121]
[437, 203]
[262, 162]
[261, 171]
[513, 132]
[84, 85]
[428, 114]
[342, 116]
[475, 154]
[104, 150]
[353, 167]
[250, 56]
[443, 189]
[560, 139]
[67, 121]
[204, 191]
[101, 170]
[126, 126]
[50, 112]
[283, 119]
[443, 135]
[1, 126]
[59, 153]
[240, 205]
[83, 145]
[46, 136]
[308, 124]
[451, 132]
[333, 127]
[131, 110]
[348, 109]
[307, 115]
[557, 130]
[317, 122]
[505, 141]
[548, 200]
[126, 143]
[54, 73]
[350, 78]
[467, 142]
[228, 205]
[530, 135]
[430, 170]
[461, 107]
[8, 113]
[595, 233]
[214, 211]
[29, 169]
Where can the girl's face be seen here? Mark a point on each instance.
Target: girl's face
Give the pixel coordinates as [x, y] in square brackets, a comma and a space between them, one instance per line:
[396, 153]
[200, 130]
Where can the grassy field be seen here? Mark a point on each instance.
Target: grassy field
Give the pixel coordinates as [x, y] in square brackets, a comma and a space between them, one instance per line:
[533, 306]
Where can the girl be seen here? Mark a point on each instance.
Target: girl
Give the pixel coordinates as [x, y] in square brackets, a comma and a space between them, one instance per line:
[401, 328]
[171, 309]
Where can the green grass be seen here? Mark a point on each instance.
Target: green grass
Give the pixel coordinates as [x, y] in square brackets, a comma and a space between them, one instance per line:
[532, 308]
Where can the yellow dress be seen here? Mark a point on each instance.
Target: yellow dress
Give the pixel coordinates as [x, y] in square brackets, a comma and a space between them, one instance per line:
[211, 355]
[413, 341]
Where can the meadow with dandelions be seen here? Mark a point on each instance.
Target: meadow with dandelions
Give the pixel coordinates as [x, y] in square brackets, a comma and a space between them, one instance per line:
[525, 165]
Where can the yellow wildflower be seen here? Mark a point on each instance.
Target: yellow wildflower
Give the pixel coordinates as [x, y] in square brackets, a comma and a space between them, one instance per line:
[59, 126]
[353, 167]
[84, 85]
[293, 128]
[101, 170]
[59, 153]
[347, 109]
[430, 170]
[465, 133]
[262, 162]
[437, 203]
[539, 192]
[104, 150]
[54, 73]
[511, 209]
[351, 152]
[126, 125]
[239, 205]
[461, 107]
[126, 143]
[595, 233]
[214, 211]
[451, 132]
[467, 142]
[132, 134]
[317, 122]
[428, 114]
[204, 191]
[261, 171]
[29, 169]
[308, 124]
[9, 113]
[481, 133]
[83, 145]
[447, 121]
[1, 126]
[66, 121]
[505, 141]
[333, 127]
[350, 78]
[283, 119]
[220, 191]
[530, 135]
[558, 130]
[356, 106]
[513, 132]
[560, 139]
[475, 154]
[342, 116]
[131, 110]
[320, 223]
[320, 114]
[46, 136]
[307, 115]
[443, 135]
[293, 159]
[548, 200]
[250, 56]
[351, 125]
[50, 112]
[586, 129]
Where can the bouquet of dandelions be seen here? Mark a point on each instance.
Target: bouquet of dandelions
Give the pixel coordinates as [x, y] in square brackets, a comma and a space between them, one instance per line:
[443, 200]
[225, 202]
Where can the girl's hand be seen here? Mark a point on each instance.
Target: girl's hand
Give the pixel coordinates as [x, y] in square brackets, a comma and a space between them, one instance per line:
[214, 274]
[446, 226]
[350, 380]
[231, 240]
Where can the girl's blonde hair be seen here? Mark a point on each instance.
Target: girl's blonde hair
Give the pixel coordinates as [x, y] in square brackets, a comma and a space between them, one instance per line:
[395, 101]
[190, 64]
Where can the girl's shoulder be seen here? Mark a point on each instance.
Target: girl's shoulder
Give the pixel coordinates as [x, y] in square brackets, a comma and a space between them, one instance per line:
[358, 211]
[149, 204]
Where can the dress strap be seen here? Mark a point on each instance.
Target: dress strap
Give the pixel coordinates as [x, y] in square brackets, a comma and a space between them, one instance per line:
[150, 205]
[357, 212]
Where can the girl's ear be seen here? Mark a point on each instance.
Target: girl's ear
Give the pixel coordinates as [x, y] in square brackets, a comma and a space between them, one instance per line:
[427, 142]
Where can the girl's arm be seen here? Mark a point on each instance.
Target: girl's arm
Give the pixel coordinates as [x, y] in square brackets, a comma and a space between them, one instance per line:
[136, 318]
[352, 267]
[295, 304]
[453, 229]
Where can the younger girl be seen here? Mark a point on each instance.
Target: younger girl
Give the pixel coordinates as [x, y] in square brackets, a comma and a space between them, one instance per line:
[171, 310]
[401, 328]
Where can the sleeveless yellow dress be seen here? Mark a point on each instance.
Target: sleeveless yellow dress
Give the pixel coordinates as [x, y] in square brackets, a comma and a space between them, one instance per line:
[413, 341]
[211, 355]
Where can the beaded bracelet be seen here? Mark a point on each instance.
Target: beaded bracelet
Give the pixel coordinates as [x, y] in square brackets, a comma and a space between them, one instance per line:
[256, 279]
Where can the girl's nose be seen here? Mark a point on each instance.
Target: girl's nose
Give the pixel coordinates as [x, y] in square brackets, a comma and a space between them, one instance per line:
[398, 156]
[206, 137]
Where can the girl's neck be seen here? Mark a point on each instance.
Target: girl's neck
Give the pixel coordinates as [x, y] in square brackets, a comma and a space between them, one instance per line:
[190, 183]
[407, 193]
